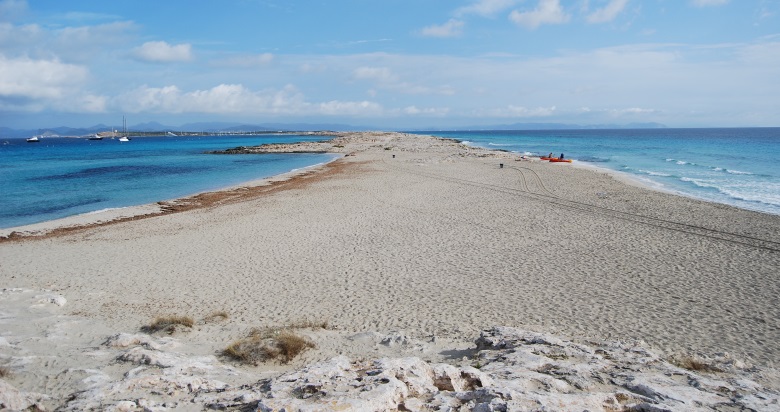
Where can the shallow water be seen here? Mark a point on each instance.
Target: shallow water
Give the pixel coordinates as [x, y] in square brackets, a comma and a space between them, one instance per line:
[731, 166]
[60, 177]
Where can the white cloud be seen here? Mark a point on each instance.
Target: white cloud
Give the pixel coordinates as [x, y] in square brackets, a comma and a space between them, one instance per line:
[452, 28]
[34, 85]
[26, 78]
[237, 99]
[608, 12]
[486, 7]
[162, 52]
[706, 3]
[546, 12]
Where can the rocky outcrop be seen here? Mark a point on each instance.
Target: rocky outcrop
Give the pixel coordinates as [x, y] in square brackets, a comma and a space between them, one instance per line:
[513, 370]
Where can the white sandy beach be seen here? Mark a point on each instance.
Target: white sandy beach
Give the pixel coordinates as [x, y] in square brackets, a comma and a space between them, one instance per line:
[408, 233]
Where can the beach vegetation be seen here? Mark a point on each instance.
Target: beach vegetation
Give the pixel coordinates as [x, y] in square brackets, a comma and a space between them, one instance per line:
[169, 324]
[262, 345]
[217, 316]
[693, 363]
[309, 324]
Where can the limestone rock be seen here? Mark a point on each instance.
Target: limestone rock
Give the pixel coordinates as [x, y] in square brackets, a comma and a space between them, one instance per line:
[51, 299]
[514, 370]
[12, 399]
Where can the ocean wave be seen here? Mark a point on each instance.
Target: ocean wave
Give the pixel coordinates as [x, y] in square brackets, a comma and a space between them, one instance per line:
[699, 182]
[755, 192]
[466, 142]
[651, 173]
[737, 172]
[498, 144]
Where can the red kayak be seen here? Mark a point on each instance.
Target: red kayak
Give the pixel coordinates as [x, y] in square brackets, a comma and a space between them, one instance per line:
[558, 160]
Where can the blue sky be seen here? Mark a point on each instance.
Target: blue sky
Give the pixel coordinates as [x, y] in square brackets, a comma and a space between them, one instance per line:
[390, 64]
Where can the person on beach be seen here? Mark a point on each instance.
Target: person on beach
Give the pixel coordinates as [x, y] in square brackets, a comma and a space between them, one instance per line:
[561, 156]
[550, 155]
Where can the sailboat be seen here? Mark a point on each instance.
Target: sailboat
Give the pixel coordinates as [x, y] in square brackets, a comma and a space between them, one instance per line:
[33, 139]
[124, 137]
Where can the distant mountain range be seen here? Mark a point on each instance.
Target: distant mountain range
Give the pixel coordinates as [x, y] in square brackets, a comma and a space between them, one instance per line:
[215, 127]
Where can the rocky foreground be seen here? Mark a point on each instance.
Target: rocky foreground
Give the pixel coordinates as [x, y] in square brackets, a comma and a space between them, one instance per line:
[513, 370]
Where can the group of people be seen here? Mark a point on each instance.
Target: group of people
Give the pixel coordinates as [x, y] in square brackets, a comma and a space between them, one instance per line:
[551, 155]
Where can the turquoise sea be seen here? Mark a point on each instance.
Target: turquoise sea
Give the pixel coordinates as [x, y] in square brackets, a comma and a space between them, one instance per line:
[734, 166]
[60, 177]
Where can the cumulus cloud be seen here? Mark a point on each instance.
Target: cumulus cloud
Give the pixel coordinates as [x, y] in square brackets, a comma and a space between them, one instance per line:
[32, 85]
[162, 52]
[608, 12]
[38, 79]
[707, 3]
[546, 12]
[486, 7]
[236, 99]
[452, 28]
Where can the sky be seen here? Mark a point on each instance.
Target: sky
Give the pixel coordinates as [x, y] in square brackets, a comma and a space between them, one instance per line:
[395, 64]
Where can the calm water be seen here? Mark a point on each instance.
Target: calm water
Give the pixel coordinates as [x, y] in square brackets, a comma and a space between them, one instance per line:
[61, 177]
[738, 167]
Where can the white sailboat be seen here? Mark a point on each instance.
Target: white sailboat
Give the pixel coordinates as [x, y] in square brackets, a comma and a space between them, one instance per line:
[124, 137]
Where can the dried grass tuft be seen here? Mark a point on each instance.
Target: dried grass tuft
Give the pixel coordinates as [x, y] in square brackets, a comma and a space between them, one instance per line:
[168, 324]
[308, 324]
[217, 316]
[269, 344]
[695, 364]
